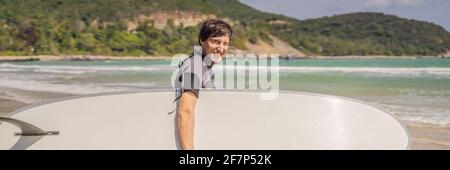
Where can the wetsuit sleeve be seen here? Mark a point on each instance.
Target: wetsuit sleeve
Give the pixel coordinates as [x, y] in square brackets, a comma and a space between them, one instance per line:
[190, 82]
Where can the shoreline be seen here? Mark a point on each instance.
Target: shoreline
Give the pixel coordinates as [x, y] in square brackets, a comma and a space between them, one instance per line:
[78, 58]
[104, 58]
[373, 57]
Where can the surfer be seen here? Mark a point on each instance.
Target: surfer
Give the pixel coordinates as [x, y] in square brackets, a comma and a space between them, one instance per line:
[195, 73]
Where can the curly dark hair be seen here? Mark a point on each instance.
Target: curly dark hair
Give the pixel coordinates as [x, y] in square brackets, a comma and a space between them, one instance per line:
[214, 28]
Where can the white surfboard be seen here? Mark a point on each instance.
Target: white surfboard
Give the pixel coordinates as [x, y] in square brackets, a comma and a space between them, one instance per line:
[224, 120]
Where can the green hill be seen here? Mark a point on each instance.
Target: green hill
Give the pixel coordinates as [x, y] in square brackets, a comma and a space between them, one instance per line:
[167, 27]
[367, 33]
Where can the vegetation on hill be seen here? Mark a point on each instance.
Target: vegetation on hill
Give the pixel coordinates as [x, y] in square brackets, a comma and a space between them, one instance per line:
[101, 27]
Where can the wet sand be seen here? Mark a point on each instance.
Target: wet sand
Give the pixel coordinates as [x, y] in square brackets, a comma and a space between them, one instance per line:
[13, 99]
[426, 136]
[8, 106]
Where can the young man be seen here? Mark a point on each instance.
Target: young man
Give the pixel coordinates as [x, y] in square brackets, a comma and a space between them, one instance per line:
[196, 72]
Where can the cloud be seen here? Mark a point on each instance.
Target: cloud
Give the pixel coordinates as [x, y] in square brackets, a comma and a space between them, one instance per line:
[378, 3]
[386, 3]
[409, 2]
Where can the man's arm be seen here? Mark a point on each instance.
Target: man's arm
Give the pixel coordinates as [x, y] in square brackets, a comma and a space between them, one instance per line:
[186, 119]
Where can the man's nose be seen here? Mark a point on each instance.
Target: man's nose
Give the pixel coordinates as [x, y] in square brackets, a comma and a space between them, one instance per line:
[220, 48]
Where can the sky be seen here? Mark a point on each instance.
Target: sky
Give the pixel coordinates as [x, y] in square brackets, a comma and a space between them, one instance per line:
[435, 11]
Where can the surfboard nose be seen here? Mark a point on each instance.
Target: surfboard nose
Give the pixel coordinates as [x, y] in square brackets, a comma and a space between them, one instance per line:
[295, 121]
[224, 120]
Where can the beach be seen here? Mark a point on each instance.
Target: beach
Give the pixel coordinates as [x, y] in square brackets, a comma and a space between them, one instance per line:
[414, 91]
[8, 106]
[77, 58]
[424, 137]
[14, 99]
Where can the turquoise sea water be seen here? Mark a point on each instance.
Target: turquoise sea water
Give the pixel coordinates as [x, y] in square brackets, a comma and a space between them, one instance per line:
[416, 90]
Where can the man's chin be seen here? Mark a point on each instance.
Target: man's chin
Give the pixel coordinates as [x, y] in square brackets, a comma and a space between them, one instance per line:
[216, 59]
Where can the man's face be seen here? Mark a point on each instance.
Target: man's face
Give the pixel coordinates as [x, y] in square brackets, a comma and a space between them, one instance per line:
[216, 48]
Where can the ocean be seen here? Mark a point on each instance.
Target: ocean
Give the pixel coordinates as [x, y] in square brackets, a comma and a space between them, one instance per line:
[416, 91]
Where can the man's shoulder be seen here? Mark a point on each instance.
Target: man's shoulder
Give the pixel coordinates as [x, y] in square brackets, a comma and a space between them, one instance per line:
[191, 61]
